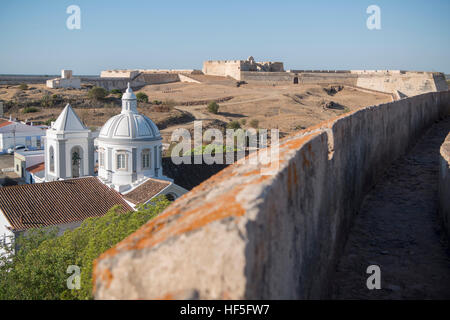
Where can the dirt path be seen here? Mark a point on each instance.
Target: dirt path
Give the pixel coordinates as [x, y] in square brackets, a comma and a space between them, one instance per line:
[398, 229]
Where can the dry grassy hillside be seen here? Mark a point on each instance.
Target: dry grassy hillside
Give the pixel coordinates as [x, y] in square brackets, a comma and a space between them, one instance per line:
[287, 107]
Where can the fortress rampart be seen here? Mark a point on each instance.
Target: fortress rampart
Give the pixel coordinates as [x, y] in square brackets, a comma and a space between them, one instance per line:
[400, 83]
[444, 184]
[241, 234]
[397, 82]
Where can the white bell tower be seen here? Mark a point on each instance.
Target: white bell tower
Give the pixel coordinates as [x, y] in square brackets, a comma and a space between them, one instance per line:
[69, 148]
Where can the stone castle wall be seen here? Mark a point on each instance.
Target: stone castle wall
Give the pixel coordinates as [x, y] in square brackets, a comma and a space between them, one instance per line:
[444, 184]
[401, 83]
[398, 82]
[243, 235]
[224, 68]
[236, 68]
[407, 83]
[158, 78]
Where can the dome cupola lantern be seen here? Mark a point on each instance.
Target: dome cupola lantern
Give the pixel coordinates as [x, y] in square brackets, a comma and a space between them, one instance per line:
[129, 101]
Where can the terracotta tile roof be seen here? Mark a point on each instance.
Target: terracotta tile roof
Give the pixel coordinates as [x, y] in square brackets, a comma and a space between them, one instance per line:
[146, 190]
[37, 167]
[4, 123]
[58, 202]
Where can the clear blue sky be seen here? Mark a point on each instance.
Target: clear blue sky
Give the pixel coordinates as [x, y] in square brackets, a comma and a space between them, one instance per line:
[415, 34]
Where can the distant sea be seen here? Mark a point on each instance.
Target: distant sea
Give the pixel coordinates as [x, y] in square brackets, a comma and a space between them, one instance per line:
[45, 75]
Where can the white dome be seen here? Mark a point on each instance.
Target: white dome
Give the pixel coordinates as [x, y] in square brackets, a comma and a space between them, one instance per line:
[130, 126]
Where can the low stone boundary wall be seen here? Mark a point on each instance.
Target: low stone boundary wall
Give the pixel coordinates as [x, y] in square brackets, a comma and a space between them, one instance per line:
[444, 184]
[243, 235]
[266, 76]
[158, 78]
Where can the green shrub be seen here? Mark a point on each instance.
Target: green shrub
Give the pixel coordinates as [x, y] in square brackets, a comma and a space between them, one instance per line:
[38, 270]
[213, 107]
[30, 109]
[243, 122]
[46, 101]
[141, 97]
[49, 121]
[116, 91]
[254, 123]
[157, 102]
[233, 125]
[97, 93]
[23, 86]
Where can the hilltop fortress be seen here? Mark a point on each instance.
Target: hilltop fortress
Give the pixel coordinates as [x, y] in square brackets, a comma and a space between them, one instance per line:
[399, 83]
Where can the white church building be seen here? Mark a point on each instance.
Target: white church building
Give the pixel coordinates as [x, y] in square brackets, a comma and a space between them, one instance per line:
[129, 148]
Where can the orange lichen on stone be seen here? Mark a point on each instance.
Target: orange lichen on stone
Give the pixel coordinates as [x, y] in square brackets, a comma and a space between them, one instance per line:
[297, 142]
[167, 296]
[177, 219]
[106, 277]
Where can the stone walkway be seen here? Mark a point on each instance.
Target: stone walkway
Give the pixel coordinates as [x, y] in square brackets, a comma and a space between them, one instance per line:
[398, 229]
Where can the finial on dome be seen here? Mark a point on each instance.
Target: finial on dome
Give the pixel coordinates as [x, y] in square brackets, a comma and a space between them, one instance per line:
[129, 103]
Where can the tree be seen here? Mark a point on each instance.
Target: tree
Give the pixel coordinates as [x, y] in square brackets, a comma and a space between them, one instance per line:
[97, 93]
[233, 125]
[141, 97]
[23, 86]
[38, 270]
[213, 107]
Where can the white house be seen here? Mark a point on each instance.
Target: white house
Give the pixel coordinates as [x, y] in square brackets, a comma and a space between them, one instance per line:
[25, 159]
[13, 133]
[66, 81]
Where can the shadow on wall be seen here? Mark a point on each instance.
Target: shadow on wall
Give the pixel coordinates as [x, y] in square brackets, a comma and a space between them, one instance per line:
[241, 234]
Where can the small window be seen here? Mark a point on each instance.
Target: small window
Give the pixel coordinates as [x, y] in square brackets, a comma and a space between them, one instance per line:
[38, 142]
[28, 141]
[101, 158]
[121, 161]
[146, 159]
[52, 159]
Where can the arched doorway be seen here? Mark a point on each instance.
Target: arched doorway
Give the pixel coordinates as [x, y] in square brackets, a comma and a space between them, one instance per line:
[295, 80]
[76, 156]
